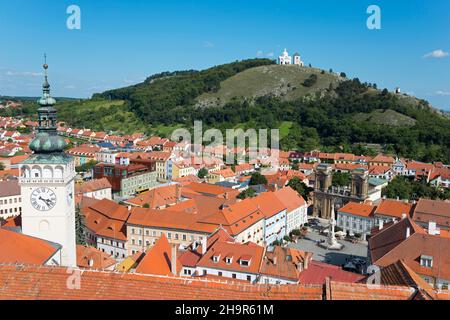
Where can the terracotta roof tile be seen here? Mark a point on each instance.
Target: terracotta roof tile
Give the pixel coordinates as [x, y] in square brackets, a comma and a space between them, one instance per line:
[394, 208]
[15, 248]
[31, 283]
[358, 209]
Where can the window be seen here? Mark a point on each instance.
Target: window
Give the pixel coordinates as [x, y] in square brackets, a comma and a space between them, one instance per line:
[245, 263]
[219, 273]
[216, 258]
[233, 275]
[229, 260]
[249, 278]
[187, 272]
[426, 261]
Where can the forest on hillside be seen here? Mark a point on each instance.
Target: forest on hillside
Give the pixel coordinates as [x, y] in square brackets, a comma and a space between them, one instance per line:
[324, 121]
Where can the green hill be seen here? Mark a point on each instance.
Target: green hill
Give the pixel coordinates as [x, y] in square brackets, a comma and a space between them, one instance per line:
[312, 108]
[285, 82]
[386, 117]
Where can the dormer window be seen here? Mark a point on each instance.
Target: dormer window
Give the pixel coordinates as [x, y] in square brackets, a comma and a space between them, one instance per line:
[245, 261]
[216, 258]
[426, 261]
[229, 260]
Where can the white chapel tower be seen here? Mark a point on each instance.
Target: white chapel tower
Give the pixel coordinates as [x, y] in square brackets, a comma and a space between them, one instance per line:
[47, 184]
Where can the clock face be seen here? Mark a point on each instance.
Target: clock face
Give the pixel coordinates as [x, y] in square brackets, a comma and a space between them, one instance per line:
[43, 199]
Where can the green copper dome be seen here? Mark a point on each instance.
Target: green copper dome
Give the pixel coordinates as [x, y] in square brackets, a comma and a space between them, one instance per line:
[45, 143]
[47, 139]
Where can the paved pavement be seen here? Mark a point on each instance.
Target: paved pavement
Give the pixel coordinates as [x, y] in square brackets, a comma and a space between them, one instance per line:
[339, 258]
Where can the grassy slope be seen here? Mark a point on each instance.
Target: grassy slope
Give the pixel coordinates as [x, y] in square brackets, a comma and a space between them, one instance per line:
[107, 115]
[282, 81]
[386, 117]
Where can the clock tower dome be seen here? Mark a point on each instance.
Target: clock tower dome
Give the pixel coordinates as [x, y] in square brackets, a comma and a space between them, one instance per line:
[47, 184]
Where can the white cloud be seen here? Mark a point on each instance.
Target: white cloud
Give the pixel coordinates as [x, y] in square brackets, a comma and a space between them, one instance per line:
[23, 74]
[436, 54]
[208, 44]
[70, 87]
[443, 93]
[259, 53]
[270, 54]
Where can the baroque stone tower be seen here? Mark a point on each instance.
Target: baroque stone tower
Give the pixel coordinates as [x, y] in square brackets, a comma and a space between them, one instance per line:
[360, 183]
[47, 184]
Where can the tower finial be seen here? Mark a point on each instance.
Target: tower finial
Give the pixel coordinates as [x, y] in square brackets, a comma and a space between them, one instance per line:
[46, 86]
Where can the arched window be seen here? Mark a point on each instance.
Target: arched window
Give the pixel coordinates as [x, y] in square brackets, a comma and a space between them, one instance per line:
[36, 172]
[44, 226]
[47, 173]
[59, 171]
[26, 172]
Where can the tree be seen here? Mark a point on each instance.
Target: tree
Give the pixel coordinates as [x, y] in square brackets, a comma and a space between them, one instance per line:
[202, 173]
[257, 179]
[341, 179]
[301, 188]
[146, 206]
[343, 75]
[249, 193]
[80, 227]
[2, 166]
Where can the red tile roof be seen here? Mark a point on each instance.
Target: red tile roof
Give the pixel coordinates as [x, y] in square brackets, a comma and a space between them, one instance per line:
[212, 190]
[92, 185]
[317, 273]
[158, 197]
[286, 263]
[290, 198]
[394, 208]
[432, 210]
[392, 244]
[106, 218]
[268, 204]
[22, 249]
[31, 283]
[92, 258]
[237, 251]
[9, 188]
[158, 259]
[359, 291]
[358, 209]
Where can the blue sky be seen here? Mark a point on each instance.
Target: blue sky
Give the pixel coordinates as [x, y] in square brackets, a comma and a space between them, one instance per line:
[122, 42]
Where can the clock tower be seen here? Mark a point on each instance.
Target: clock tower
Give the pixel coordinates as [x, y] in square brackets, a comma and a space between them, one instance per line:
[47, 184]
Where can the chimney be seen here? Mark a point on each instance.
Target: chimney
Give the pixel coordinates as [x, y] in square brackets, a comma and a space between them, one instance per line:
[408, 232]
[275, 261]
[227, 196]
[403, 216]
[91, 263]
[380, 225]
[129, 208]
[178, 193]
[306, 262]
[204, 246]
[174, 260]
